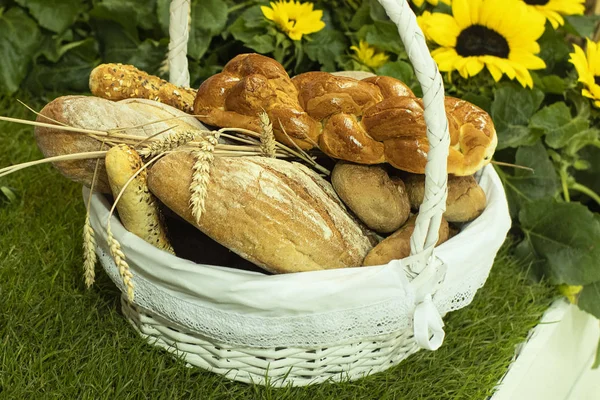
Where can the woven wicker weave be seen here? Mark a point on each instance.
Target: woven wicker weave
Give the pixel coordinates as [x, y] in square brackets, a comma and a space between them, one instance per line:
[355, 356]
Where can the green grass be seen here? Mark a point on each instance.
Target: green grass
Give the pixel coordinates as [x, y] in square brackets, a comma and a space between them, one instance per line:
[61, 341]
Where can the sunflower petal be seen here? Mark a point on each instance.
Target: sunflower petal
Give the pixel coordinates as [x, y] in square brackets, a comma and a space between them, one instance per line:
[443, 29]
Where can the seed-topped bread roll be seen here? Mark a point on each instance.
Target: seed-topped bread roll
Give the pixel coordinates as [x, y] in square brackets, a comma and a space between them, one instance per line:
[269, 211]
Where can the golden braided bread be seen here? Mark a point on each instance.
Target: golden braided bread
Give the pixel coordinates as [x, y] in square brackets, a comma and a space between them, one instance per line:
[369, 121]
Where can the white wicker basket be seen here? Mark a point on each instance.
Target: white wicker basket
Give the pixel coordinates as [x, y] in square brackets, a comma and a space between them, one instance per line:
[304, 328]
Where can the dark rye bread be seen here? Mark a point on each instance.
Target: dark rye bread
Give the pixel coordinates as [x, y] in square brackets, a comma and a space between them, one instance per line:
[269, 211]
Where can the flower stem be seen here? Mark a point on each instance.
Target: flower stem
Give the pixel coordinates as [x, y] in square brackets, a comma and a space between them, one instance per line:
[565, 186]
[585, 190]
[238, 6]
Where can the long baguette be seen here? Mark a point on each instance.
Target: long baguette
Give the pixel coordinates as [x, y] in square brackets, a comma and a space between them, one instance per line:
[138, 208]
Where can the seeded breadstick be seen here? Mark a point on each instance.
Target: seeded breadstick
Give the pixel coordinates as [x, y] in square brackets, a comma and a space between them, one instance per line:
[138, 208]
[118, 82]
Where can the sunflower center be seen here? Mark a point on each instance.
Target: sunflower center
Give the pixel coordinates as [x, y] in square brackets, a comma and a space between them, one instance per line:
[537, 2]
[597, 80]
[478, 40]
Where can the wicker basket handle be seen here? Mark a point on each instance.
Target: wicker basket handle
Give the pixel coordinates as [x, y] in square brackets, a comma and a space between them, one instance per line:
[427, 321]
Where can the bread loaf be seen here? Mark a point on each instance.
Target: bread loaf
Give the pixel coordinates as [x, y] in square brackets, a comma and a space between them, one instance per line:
[137, 207]
[397, 245]
[368, 191]
[267, 210]
[95, 113]
[368, 121]
[118, 82]
[466, 199]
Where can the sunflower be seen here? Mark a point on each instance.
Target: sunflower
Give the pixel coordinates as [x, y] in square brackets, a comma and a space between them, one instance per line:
[419, 3]
[553, 10]
[588, 68]
[424, 21]
[294, 18]
[368, 55]
[498, 34]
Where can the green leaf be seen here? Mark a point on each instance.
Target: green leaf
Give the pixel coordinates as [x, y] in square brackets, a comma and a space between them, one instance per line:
[567, 236]
[163, 15]
[19, 41]
[362, 16]
[210, 16]
[597, 358]
[384, 35]
[589, 299]
[554, 48]
[481, 101]
[558, 124]
[55, 15]
[511, 110]
[590, 176]
[581, 25]
[249, 24]
[130, 14]
[525, 186]
[553, 84]
[377, 12]
[581, 139]
[262, 44]
[7, 194]
[327, 47]
[397, 69]
[120, 46]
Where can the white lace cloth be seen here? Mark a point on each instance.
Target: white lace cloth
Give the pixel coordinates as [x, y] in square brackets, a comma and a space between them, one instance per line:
[321, 308]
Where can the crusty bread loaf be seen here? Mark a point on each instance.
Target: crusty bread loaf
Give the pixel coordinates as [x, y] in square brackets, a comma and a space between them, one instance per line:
[268, 211]
[397, 245]
[137, 207]
[368, 121]
[466, 199]
[368, 191]
[95, 113]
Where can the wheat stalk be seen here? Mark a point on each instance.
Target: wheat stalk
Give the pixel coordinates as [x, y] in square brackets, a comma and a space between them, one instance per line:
[201, 174]
[89, 251]
[121, 263]
[167, 143]
[267, 139]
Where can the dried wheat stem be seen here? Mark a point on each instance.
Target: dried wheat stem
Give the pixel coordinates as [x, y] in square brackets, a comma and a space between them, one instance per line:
[89, 252]
[267, 139]
[201, 175]
[65, 157]
[120, 262]
[167, 143]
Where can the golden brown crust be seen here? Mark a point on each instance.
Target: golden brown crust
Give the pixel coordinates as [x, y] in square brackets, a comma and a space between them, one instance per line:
[266, 210]
[390, 87]
[381, 109]
[397, 245]
[249, 84]
[345, 139]
[118, 82]
[410, 155]
[377, 200]
[466, 199]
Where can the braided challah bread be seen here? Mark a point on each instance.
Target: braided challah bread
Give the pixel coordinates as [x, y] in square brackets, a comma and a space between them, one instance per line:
[368, 121]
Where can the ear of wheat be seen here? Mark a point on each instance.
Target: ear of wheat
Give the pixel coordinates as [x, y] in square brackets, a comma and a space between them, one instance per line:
[201, 175]
[168, 143]
[89, 252]
[267, 139]
[120, 261]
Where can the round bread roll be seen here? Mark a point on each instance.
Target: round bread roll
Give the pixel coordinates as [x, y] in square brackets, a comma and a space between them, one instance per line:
[466, 199]
[397, 245]
[378, 201]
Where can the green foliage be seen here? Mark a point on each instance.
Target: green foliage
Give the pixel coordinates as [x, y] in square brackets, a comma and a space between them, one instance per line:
[566, 236]
[511, 110]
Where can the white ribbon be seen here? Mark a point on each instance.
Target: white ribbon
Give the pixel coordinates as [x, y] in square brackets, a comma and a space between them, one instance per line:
[428, 326]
